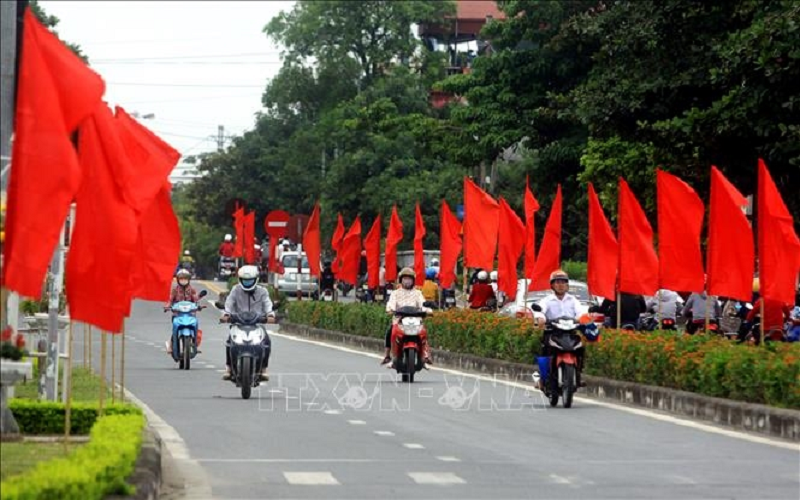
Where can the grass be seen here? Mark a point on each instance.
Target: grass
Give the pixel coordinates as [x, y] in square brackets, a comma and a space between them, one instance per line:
[16, 458]
[85, 386]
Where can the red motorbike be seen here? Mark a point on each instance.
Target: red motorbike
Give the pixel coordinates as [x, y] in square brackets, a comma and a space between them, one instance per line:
[409, 342]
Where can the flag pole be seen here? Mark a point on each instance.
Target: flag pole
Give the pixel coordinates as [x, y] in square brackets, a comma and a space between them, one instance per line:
[122, 366]
[113, 367]
[91, 368]
[619, 310]
[102, 372]
[85, 344]
[68, 402]
[708, 309]
[762, 320]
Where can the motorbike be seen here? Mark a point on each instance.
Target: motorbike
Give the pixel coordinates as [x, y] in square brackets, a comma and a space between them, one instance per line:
[227, 268]
[186, 336]
[327, 295]
[649, 323]
[561, 376]
[448, 299]
[408, 338]
[695, 325]
[248, 353]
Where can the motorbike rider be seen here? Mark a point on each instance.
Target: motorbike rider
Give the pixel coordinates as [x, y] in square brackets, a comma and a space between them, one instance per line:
[328, 280]
[695, 310]
[248, 296]
[631, 308]
[183, 291]
[481, 292]
[227, 248]
[664, 304]
[258, 256]
[430, 290]
[405, 296]
[776, 314]
[560, 304]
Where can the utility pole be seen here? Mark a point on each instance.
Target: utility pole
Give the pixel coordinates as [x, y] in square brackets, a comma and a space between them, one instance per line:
[220, 138]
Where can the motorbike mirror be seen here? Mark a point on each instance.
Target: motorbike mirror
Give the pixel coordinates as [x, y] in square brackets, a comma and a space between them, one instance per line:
[536, 308]
[202, 293]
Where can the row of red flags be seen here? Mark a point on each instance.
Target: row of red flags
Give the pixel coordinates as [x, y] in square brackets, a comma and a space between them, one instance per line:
[626, 262]
[126, 240]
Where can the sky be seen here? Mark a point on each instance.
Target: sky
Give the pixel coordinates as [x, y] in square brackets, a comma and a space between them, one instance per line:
[194, 65]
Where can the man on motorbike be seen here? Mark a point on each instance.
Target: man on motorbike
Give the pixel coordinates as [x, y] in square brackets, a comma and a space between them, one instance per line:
[776, 314]
[248, 296]
[695, 310]
[481, 292]
[561, 304]
[327, 280]
[405, 296]
[664, 304]
[183, 291]
[430, 290]
[227, 248]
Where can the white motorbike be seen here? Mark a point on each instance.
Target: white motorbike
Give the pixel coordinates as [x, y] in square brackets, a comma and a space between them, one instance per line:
[248, 352]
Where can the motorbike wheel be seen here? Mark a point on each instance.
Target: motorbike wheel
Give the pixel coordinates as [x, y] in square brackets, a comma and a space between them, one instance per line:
[411, 365]
[186, 352]
[553, 382]
[568, 376]
[246, 377]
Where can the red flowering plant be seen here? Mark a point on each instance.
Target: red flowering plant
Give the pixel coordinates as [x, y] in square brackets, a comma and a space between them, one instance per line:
[12, 345]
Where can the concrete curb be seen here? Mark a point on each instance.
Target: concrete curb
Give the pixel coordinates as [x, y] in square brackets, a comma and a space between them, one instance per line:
[146, 476]
[760, 419]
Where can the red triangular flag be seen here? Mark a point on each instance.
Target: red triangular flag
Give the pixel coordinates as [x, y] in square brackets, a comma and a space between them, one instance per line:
[680, 222]
[249, 226]
[372, 245]
[601, 273]
[730, 270]
[238, 226]
[336, 244]
[549, 258]
[311, 242]
[393, 237]
[56, 91]
[450, 246]
[531, 207]
[419, 255]
[481, 214]
[350, 255]
[638, 263]
[512, 242]
[778, 245]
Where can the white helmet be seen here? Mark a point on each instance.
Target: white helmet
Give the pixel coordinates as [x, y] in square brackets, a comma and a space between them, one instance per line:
[248, 277]
[228, 237]
[483, 276]
[257, 246]
[434, 262]
[493, 275]
[186, 252]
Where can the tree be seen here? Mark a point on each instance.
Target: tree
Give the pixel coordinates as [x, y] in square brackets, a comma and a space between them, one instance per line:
[51, 22]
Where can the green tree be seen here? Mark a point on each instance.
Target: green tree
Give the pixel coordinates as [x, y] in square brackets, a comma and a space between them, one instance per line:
[51, 22]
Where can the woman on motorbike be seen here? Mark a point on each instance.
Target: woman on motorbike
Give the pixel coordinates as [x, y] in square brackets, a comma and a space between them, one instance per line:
[183, 291]
[405, 296]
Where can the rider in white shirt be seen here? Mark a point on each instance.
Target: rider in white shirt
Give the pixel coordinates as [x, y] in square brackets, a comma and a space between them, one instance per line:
[561, 303]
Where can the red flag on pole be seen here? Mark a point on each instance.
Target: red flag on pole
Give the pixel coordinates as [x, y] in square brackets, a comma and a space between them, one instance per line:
[419, 255]
[105, 230]
[603, 251]
[481, 214]
[372, 245]
[531, 207]
[311, 242]
[680, 222]
[393, 237]
[238, 225]
[249, 227]
[336, 244]
[350, 256]
[730, 255]
[450, 246]
[638, 263]
[512, 242]
[778, 245]
[56, 92]
[549, 258]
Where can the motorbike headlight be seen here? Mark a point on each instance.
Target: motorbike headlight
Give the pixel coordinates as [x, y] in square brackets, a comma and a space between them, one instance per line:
[411, 329]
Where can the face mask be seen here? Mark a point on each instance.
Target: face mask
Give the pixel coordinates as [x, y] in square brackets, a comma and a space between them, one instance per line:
[408, 283]
[183, 282]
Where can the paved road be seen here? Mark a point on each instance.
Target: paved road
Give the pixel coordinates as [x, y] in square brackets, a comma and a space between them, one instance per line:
[332, 424]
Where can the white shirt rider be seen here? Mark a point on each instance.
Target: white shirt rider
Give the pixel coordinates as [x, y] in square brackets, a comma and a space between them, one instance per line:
[554, 308]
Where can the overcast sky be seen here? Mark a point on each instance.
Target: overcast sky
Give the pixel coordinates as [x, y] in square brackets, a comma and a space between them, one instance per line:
[195, 65]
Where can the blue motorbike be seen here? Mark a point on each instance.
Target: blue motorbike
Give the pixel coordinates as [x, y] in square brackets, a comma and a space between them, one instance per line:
[185, 331]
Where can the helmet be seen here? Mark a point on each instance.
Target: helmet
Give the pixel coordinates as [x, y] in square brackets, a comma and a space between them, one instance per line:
[756, 285]
[183, 274]
[558, 275]
[493, 275]
[257, 247]
[406, 271]
[248, 277]
[186, 252]
[434, 262]
[483, 276]
[228, 237]
[430, 273]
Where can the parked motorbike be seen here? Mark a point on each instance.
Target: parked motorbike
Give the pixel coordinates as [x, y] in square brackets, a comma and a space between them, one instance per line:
[248, 353]
[408, 338]
[186, 336]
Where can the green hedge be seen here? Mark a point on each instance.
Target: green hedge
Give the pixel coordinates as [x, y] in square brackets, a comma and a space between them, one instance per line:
[93, 471]
[47, 417]
[703, 364]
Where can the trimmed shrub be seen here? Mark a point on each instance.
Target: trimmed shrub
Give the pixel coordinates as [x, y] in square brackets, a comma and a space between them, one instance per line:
[47, 417]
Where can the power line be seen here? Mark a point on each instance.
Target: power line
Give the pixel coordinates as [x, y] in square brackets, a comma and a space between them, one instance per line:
[199, 85]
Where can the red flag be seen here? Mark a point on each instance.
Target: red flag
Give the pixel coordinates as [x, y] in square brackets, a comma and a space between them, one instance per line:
[531, 207]
[249, 227]
[778, 245]
[512, 242]
[105, 234]
[336, 244]
[638, 263]
[481, 219]
[419, 255]
[56, 92]
[549, 258]
[350, 255]
[730, 254]
[450, 246]
[158, 249]
[311, 242]
[393, 237]
[238, 225]
[151, 159]
[372, 244]
[680, 222]
[602, 266]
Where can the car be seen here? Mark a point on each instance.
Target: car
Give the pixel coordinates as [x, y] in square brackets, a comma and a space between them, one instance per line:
[525, 299]
[287, 282]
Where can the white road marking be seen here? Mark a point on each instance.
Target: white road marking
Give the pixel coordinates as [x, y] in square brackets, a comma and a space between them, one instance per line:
[384, 433]
[333, 412]
[210, 366]
[310, 478]
[559, 479]
[614, 406]
[683, 479]
[413, 446]
[435, 478]
[448, 459]
[288, 460]
[357, 422]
